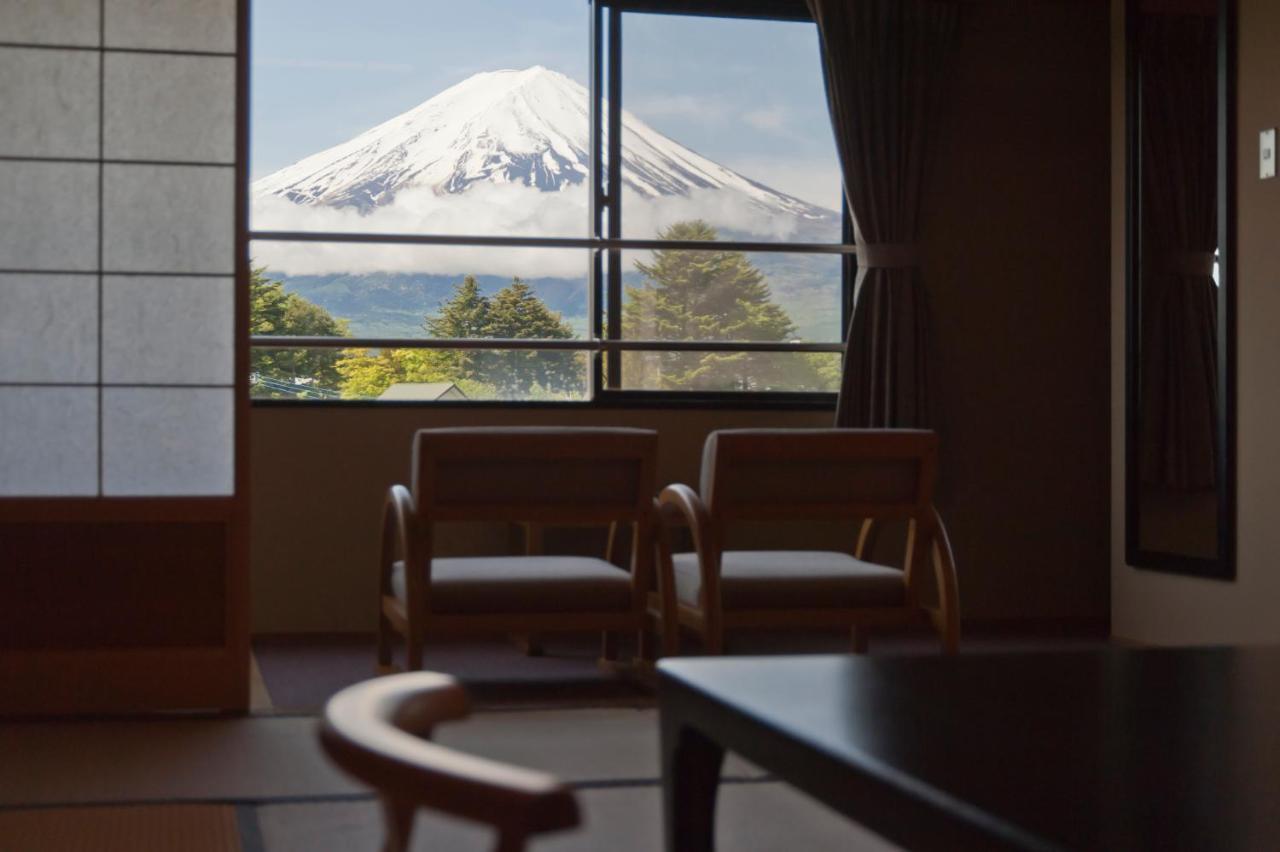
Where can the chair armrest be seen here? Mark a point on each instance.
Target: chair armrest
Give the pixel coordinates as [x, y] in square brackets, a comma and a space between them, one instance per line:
[679, 502]
[868, 535]
[400, 537]
[372, 730]
[944, 568]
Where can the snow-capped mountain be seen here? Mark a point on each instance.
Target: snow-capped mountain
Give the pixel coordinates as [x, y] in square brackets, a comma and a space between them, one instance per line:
[527, 128]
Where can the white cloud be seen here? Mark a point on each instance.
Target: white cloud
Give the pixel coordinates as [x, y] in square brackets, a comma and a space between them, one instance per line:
[684, 106]
[770, 119]
[486, 210]
[644, 218]
[815, 180]
[334, 65]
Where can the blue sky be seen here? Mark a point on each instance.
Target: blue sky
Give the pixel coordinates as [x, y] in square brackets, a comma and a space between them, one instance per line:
[745, 93]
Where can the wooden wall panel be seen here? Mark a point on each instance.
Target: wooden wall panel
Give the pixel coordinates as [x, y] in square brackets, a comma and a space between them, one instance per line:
[120, 585]
[117, 593]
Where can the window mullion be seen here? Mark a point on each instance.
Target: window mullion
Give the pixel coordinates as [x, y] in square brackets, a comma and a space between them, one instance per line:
[595, 286]
[613, 77]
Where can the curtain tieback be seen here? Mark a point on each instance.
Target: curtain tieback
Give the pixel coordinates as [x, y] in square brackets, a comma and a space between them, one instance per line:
[888, 255]
[1198, 263]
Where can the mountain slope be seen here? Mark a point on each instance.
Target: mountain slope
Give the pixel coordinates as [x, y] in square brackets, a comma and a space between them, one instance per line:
[528, 128]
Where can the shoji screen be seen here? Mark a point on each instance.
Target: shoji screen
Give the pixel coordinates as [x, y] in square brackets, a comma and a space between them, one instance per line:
[122, 343]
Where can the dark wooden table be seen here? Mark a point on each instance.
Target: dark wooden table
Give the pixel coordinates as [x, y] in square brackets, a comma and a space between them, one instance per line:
[1110, 750]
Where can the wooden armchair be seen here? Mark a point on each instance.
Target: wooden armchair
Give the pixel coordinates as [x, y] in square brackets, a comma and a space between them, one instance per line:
[537, 475]
[801, 474]
[378, 731]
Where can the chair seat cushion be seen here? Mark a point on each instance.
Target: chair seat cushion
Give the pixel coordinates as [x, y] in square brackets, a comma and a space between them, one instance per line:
[522, 584]
[793, 579]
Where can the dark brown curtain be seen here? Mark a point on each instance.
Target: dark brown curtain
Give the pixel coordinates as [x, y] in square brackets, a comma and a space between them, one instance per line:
[885, 63]
[1179, 236]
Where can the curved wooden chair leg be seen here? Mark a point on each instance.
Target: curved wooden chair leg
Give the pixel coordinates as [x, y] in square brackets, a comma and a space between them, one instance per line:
[713, 639]
[948, 621]
[413, 643]
[611, 543]
[386, 635]
[868, 537]
[858, 639]
[609, 646]
[646, 645]
[529, 644]
[668, 618]
[399, 825]
[509, 842]
[671, 636]
[533, 537]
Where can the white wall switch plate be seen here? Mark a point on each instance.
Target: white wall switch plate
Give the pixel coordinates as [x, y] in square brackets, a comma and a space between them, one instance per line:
[1267, 153]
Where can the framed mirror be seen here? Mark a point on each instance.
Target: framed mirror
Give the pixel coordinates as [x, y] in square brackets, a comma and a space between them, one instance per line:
[1180, 287]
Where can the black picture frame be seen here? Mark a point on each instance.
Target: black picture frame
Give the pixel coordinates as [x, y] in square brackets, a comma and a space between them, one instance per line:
[1223, 565]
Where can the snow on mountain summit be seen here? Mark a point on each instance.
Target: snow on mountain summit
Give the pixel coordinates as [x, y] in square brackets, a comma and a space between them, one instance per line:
[525, 127]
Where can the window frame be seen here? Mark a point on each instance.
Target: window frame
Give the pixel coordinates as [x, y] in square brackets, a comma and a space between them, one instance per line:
[604, 344]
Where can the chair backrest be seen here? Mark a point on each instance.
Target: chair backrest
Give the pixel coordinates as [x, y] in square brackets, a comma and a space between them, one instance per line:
[818, 473]
[376, 731]
[535, 474]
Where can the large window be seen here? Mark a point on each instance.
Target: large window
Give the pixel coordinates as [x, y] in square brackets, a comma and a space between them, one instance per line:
[543, 200]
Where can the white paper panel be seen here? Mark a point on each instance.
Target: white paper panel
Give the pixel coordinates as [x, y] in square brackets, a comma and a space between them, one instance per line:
[172, 24]
[167, 442]
[50, 100]
[49, 215]
[162, 330]
[160, 107]
[168, 219]
[72, 22]
[48, 328]
[48, 442]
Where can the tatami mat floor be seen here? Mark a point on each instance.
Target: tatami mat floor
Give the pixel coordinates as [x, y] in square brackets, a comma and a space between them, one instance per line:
[169, 784]
[261, 784]
[191, 828]
[300, 673]
[751, 817]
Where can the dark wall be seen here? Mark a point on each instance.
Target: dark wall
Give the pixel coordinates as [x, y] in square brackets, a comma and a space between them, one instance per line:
[1016, 258]
[1017, 261]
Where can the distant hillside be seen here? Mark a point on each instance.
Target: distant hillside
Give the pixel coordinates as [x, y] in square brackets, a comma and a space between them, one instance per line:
[394, 304]
[390, 304]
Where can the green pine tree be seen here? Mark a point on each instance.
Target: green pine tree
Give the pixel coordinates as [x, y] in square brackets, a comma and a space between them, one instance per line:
[275, 312]
[515, 312]
[464, 315]
[709, 295]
